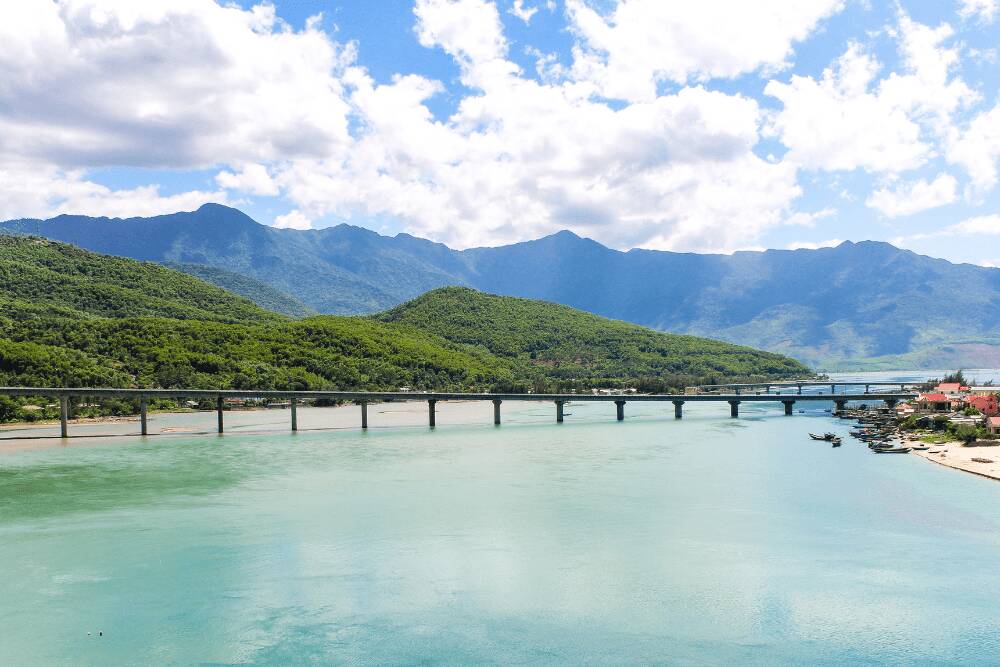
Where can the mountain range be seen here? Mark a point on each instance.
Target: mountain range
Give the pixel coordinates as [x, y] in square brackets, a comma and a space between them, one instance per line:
[857, 305]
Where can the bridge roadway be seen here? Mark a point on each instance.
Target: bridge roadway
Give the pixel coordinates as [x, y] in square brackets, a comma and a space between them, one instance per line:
[799, 384]
[363, 398]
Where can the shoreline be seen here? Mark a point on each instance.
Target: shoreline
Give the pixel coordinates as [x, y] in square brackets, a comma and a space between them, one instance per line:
[957, 456]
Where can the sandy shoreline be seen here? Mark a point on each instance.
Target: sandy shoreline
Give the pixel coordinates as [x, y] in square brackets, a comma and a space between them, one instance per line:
[956, 455]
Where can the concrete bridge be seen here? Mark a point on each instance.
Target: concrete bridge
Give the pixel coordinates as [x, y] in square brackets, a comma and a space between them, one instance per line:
[363, 398]
[743, 387]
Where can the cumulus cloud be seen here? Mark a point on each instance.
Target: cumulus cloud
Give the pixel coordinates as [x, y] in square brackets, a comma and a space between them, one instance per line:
[885, 125]
[642, 42]
[293, 220]
[251, 178]
[910, 198]
[39, 192]
[984, 10]
[977, 149]
[982, 225]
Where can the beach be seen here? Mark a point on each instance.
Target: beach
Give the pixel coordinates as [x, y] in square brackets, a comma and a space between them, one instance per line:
[960, 457]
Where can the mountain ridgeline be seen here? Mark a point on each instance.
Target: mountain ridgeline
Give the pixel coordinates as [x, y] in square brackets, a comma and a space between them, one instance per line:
[857, 305]
[75, 318]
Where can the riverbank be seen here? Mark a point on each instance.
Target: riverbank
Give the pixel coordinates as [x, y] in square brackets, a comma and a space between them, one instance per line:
[960, 457]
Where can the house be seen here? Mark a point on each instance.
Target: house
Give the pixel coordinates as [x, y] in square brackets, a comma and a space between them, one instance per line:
[950, 388]
[993, 425]
[986, 404]
[904, 410]
[934, 402]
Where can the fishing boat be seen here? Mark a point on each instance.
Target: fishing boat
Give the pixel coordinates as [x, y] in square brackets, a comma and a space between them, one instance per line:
[891, 450]
[817, 437]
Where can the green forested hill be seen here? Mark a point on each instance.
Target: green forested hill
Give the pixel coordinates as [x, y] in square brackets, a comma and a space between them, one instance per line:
[571, 344]
[56, 275]
[74, 318]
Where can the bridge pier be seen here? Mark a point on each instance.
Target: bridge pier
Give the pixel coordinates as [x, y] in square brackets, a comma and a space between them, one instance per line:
[496, 412]
[734, 408]
[866, 388]
[841, 405]
[788, 406]
[678, 409]
[143, 427]
[218, 408]
[559, 411]
[64, 416]
[800, 389]
[430, 411]
[292, 405]
[364, 415]
[620, 410]
[890, 403]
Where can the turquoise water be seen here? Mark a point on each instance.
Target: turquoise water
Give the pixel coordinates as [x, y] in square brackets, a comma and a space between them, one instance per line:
[703, 541]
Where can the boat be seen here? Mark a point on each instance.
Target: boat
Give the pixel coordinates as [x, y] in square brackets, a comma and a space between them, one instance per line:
[891, 450]
[920, 448]
[836, 442]
[817, 437]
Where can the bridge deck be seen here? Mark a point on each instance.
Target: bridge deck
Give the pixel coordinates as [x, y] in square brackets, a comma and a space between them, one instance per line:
[437, 396]
[365, 397]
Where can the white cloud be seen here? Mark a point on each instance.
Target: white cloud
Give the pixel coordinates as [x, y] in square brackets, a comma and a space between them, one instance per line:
[984, 10]
[522, 12]
[849, 119]
[251, 179]
[809, 218]
[807, 245]
[469, 30]
[977, 149]
[914, 197]
[983, 225]
[642, 42]
[293, 220]
[41, 192]
[180, 84]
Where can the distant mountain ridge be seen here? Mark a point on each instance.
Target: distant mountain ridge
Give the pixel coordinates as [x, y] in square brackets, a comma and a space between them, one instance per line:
[858, 304]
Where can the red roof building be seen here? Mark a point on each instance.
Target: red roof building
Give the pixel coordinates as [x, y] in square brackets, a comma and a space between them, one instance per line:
[987, 404]
[993, 425]
[934, 402]
[950, 388]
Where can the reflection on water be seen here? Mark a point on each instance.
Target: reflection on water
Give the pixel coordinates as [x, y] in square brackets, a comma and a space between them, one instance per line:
[705, 540]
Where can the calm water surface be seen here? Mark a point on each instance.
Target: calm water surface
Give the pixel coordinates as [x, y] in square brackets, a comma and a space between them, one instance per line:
[707, 540]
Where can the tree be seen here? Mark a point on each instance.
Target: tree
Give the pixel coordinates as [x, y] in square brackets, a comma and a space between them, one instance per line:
[966, 433]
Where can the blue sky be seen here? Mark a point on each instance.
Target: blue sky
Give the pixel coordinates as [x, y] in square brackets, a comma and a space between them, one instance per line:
[711, 127]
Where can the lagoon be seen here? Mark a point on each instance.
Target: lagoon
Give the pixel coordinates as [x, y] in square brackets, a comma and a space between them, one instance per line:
[704, 540]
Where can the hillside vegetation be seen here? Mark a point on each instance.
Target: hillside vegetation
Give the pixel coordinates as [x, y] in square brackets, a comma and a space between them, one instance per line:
[75, 318]
[581, 349]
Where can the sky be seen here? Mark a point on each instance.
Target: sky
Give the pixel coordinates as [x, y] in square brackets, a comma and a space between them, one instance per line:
[715, 126]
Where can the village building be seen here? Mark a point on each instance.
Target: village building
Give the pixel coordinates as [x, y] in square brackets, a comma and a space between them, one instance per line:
[993, 425]
[986, 404]
[936, 402]
[950, 389]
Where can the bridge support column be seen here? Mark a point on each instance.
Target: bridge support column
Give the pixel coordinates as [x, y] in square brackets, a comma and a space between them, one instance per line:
[430, 412]
[620, 410]
[800, 389]
[734, 408]
[867, 386]
[788, 406]
[890, 403]
[496, 412]
[678, 409]
[364, 415]
[841, 405]
[218, 408]
[559, 411]
[293, 405]
[64, 416]
[143, 425]
[833, 389]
